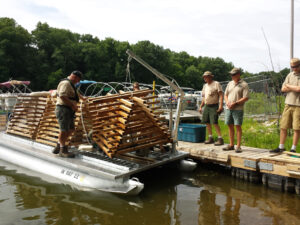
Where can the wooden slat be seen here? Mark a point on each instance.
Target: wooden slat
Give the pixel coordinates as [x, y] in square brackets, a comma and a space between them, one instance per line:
[19, 133]
[105, 142]
[139, 141]
[125, 108]
[46, 142]
[125, 95]
[137, 99]
[148, 133]
[143, 146]
[126, 102]
[107, 117]
[123, 114]
[149, 97]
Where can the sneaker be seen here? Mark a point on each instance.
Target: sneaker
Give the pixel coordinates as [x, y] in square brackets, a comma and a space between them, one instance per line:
[228, 148]
[292, 150]
[209, 141]
[277, 150]
[238, 150]
[63, 152]
[56, 149]
[219, 142]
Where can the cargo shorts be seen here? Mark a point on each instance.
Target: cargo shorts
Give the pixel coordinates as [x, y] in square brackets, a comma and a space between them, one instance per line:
[290, 117]
[234, 117]
[65, 117]
[210, 114]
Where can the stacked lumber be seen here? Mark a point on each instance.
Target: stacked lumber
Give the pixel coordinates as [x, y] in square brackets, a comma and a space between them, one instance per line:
[121, 123]
[48, 129]
[127, 122]
[3, 120]
[83, 124]
[26, 116]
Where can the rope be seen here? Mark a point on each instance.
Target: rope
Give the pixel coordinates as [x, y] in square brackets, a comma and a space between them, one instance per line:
[128, 70]
[87, 138]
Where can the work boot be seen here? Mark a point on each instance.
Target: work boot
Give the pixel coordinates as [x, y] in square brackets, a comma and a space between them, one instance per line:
[277, 150]
[209, 141]
[238, 150]
[228, 148]
[219, 142]
[65, 153]
[56, 149]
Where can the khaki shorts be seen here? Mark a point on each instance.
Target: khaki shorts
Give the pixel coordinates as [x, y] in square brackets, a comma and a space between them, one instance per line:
[290, 117]
[65, 117]
[210, 114]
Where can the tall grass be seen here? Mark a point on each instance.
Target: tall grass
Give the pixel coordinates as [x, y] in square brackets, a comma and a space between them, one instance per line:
[260, 103]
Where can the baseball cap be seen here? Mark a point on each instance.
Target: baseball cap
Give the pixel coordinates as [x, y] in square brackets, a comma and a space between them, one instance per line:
[207, 73]
[235, 71]
[77, 73]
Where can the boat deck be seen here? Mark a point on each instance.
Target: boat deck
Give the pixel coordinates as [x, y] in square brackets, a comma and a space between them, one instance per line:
[95, 163]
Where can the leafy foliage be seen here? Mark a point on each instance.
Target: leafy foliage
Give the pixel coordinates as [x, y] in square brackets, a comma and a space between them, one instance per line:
[49, 54]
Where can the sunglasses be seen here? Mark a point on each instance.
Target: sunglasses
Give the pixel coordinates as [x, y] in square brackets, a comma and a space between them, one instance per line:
[234, 74]
[294, 67]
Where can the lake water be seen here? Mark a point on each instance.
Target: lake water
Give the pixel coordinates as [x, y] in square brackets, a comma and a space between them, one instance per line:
[206, 196]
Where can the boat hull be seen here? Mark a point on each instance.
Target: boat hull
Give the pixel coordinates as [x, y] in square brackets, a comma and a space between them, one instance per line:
[84, 172]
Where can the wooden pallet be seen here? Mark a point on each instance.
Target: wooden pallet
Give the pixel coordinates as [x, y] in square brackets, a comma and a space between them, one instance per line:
[121, 123]
[126, 122]
[3, 121]
[48, 129]
[26, 116]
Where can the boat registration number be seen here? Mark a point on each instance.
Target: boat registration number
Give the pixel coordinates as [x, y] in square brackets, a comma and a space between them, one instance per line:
[71, 173]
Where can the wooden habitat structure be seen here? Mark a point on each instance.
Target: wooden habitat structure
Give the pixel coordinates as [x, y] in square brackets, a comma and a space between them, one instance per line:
[120, 123]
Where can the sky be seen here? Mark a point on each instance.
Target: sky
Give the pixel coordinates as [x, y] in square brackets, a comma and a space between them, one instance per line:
[230, 29]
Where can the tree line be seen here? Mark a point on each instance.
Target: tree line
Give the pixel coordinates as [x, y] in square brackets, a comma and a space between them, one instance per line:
[47, 54]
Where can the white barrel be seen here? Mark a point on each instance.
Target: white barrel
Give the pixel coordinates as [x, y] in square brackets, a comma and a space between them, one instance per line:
[10, 102]
[2, 103]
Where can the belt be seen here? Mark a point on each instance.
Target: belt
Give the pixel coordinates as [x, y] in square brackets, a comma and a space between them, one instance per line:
[65, 106]
[212, 105]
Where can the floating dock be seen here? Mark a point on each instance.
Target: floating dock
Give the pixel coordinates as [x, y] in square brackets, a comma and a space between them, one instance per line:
[275, 170]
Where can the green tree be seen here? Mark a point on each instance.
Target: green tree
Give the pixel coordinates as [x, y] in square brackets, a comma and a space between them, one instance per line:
[193, 77]
[15, 50]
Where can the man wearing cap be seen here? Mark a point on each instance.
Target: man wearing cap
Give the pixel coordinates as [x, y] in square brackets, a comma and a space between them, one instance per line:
[236, 94]
[291, 113]
[212, 105]
[66, 106]
[136, 86]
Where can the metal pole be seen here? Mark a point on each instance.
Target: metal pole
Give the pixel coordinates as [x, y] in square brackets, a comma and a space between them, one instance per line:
[172, 87]
[292, 30]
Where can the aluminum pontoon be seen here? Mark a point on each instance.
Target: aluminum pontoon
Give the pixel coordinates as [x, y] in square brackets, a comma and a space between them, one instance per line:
[87, 170]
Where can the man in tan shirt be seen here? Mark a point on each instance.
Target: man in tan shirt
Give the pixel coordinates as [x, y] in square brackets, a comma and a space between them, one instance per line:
[291, 113]
[66, 106]
[236, 94]
[212, 95]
